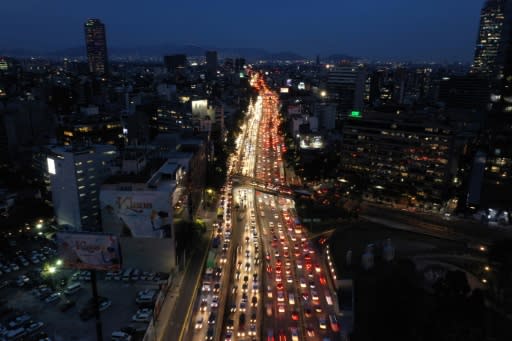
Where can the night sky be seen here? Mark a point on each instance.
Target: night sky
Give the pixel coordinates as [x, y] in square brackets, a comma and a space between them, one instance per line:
[441, 30]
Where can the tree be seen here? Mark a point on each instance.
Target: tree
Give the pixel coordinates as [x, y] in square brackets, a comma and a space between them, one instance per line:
[500, 256]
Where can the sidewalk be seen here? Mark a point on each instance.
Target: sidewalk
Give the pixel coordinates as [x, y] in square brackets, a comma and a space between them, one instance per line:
[166, 324]
[168, 307]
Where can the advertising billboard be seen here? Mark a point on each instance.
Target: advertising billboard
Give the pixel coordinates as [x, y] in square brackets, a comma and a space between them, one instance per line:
[311, 142]
[91, 251]
[142, 213]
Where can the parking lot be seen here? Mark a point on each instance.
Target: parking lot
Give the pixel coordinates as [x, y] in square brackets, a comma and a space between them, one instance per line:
[34, 301]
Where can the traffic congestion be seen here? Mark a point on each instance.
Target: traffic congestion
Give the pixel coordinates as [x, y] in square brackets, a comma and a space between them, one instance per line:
[263, 278]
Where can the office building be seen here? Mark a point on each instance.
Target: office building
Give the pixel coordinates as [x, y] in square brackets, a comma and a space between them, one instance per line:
[407, 158]
[211, 64]
[493, 59]
[174, 62]
[464, 92]
[345, 85]
[96, 45]
[493, 31]
[76, 173]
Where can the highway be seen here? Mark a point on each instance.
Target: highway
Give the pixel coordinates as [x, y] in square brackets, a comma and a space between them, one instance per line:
[263, 279]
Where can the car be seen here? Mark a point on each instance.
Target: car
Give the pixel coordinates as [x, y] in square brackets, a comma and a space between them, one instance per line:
[53, 297]
[270, 335]
[280, 307]
[120, 336]
[242, 306]
[210, 333]
[33, 327]
[282, 336]
[322, 323]
[269, 309]
[104, 305]
[143, 315]
[314, 295]
[212, 318]
[310, 331]
[20, 320]
[15, 333]
[322, 280]
[252, 329]
[302, 282]
[254, 301]
[230, 324]
[66, 305]
[215, 302]
[312, 284]
[318, 308]
[203, 305]
[295, 315]
[295, 334]
[333, 321]
[199, 323]
[308, 312]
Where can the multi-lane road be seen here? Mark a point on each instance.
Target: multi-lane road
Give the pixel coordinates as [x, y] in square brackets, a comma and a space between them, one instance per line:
[263, 278]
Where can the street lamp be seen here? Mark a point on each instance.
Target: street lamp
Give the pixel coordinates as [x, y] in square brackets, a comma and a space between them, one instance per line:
[58, 262]
[52, 269]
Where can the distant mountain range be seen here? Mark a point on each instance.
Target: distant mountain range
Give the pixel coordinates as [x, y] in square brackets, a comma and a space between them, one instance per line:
[250, 54]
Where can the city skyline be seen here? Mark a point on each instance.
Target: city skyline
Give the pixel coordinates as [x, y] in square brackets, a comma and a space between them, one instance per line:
[418, 31]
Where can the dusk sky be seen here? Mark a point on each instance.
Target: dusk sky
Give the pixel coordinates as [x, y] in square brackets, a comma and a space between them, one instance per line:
[442, 30]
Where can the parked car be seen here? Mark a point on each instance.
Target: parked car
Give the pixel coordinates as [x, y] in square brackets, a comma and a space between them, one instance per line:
[53, 297]
[66, 305]
[143, 315]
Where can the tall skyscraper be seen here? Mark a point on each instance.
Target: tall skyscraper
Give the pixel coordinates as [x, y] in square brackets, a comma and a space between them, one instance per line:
[96, 45]
[493, 30]
[211, 64]
[493, 58]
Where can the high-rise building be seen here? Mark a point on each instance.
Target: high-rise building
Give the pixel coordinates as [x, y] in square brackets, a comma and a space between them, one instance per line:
[493, 30]
[345, 85]
[211, 64]
[493, 58]
[76, 174]
[96, 45]
[409, 158]
[174, 62]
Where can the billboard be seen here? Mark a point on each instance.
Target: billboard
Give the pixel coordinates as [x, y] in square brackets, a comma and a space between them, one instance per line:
[92, 251]
[142, 213]
[311, 142]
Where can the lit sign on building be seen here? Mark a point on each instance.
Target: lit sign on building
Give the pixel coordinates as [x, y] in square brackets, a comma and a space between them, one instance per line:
[311, 142]
[355, 114]
[51, 166]
[301, 86]
[284, 90]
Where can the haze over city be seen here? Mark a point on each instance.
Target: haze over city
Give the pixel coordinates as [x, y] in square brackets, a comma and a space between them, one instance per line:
[437, 30]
